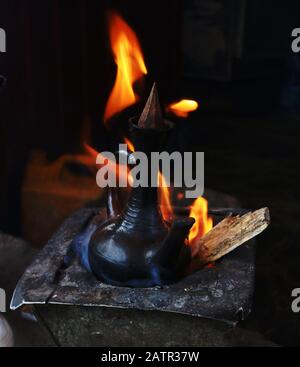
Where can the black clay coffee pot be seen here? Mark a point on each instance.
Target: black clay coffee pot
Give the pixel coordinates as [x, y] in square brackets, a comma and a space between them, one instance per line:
[136, 247]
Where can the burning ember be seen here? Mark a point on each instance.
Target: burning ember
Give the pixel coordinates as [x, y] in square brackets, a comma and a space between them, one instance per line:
[130, 65]
[183, 107]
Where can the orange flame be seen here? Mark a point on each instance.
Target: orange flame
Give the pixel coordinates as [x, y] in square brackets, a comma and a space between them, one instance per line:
[121, 171]
[165, 201]
[183, 107]
[91, 151]
[129, 144]
[130, 65]
[204, 223]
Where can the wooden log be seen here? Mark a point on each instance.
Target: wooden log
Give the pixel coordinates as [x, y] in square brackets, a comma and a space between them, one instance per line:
[230, 233]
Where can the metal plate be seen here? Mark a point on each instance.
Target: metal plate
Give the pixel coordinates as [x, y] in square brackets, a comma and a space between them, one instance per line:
[223, 292]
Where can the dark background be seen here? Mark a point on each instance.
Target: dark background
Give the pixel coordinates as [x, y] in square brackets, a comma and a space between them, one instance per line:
[60, 71]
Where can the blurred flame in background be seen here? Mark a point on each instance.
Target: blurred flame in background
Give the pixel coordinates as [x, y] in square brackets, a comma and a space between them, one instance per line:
[129, 144]
[183, 107]
[122, 171]
[130, 65]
